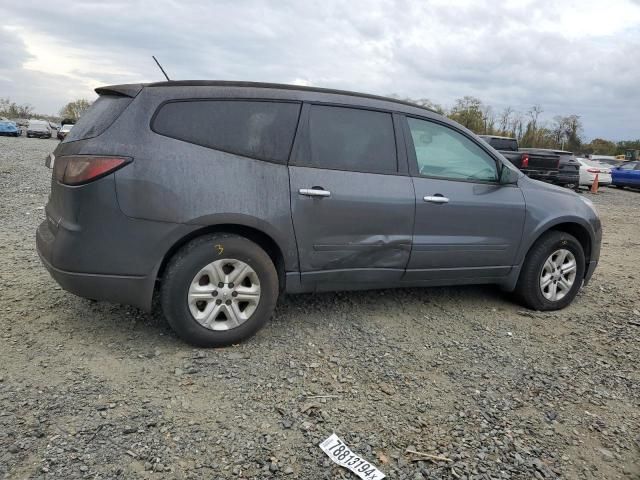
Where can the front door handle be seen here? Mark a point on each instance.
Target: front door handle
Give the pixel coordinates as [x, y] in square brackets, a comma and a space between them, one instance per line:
[436, 199]
[314, 192]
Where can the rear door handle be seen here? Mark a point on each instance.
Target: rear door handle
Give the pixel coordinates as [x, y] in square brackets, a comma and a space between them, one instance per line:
[436, 199]
[314, 192]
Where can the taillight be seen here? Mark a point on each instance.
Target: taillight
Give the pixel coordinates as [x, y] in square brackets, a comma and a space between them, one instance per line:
[80, 169]
[593, 170]
[525, 160]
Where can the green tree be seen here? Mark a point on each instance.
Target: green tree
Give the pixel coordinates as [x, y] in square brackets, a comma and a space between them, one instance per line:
[599, 146]
[621, 147]
[75, 109]
[468, 111]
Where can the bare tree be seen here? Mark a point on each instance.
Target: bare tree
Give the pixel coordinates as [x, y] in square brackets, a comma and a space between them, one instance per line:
[505, 119]
[534, 113]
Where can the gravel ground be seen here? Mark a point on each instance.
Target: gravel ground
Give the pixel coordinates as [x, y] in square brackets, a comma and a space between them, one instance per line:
[93, 390]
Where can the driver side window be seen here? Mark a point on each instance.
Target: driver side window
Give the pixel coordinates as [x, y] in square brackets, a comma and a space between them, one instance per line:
[444, 153]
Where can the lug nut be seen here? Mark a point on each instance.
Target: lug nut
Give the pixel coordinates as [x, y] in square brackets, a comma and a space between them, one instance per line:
[220, 285]
[218, 302]
[231, 285]
[228, 302]
[234, 294]
[214, 293]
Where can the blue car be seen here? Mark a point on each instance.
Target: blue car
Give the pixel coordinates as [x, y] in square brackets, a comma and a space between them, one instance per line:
[9, 128]
[626, 175]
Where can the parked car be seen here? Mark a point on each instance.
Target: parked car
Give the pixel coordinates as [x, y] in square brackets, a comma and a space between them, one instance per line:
[66, 128]
[537, 164]
[615, 162]
[627, 175]
[39, 129]
[8, 128]
[568, 166]
[589, 170]
[229, 193]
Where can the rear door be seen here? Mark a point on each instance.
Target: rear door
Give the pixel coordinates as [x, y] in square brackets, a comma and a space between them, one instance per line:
[352, 201]
[468, 225]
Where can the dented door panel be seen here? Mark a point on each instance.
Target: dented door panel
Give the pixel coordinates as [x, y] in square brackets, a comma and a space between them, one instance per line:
[360, 232]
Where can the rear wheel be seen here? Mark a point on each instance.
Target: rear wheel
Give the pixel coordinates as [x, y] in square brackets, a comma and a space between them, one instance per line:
[552, 273]
[218, 290]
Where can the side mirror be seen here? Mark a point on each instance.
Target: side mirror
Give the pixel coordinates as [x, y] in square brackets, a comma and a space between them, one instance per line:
[507, 176]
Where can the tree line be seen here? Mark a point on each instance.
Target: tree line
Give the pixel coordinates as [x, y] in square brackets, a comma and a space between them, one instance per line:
[563, 132]
[70, 113]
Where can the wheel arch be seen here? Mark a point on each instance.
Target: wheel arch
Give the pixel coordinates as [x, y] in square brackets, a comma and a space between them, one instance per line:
[581, 234]
[264, 240]
[573, 226]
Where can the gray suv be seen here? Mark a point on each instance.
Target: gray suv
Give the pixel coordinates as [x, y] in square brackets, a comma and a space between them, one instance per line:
[219, 196]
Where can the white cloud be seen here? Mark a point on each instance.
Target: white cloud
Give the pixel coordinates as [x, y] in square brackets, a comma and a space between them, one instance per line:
[571, 56]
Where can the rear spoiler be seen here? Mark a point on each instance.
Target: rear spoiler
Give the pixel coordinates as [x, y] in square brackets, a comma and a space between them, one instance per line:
[126, 90]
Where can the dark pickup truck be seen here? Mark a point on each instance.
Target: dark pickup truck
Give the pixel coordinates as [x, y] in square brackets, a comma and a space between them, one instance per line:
[541, 165]
[568, 168]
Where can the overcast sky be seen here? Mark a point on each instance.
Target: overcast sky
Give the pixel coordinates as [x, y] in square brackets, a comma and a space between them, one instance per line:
[580, 57]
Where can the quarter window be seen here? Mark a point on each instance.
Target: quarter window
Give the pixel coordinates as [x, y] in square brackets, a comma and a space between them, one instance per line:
[444, 153]
[342, 138]
[259, 129]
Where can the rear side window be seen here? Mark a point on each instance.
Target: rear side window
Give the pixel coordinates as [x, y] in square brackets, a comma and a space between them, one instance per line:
[258, 129]
[350, 139]
[99, 117]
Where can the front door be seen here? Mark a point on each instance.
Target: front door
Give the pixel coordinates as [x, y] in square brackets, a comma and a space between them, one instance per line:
[467, 225]
[352, 206]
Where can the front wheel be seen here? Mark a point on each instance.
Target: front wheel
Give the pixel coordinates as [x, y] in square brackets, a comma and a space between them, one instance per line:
[218, 290]
[552, 273]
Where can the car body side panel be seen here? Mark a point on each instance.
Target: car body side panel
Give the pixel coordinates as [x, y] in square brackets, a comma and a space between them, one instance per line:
[181, 183]
[362, 231]
[478, 232]
[173, 189]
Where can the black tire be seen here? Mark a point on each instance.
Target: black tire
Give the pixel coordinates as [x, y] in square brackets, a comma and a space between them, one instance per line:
[194, 256]
[528, 288]
[621, 187]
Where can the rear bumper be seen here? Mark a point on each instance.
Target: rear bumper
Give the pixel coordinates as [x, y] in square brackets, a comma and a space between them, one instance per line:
[603, 179]
[545, 176]
[38, 134]
[567, 179]
[125, 289]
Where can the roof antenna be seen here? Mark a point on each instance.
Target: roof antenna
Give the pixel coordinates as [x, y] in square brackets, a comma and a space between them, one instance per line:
[160, 67]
